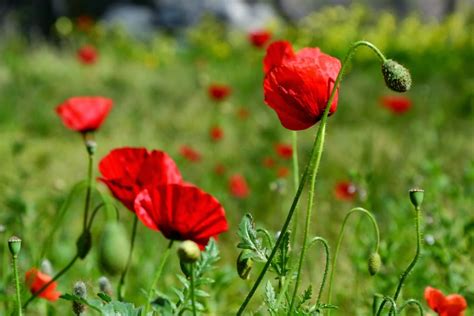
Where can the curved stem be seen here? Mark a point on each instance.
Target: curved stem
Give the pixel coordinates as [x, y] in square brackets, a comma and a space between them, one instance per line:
[17, 284]
[312, 163]
[57, 276]
[326, 265]
[129, 260]
[296, 179]
[157, 275]
[193, 302]
[267, 236]
[411, 301]
[392, 303]
[339, 241]
[417, 254]
[89, 189]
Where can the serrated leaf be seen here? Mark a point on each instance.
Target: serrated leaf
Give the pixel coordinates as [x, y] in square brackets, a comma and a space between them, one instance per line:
[270, 296]
[104, 297]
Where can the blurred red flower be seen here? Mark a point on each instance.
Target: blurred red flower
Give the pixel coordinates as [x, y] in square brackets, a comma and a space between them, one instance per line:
[216, 133]
[238, 186]
[396, 104]
[451, 305]
[259, 38]
[345, 191]
[36, 279]
[181, 212]
[219, 169]
[84, 23]
[87, 54]
[283, 172]
[268, 162]
[84, 114]
[127, 171]
[285, 151]
[219, 92]
[190, 153]
[298, 86]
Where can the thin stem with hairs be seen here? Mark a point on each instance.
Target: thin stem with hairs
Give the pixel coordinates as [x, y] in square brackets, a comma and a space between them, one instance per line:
[129, 260]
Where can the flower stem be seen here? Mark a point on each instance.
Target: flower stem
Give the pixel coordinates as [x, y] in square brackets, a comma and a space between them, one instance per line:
[17, 284]
[157, 275]
[89, 189]
[129, 260]
[193, 301]
[326, 265]
[413, 302]
[339, 241]
[392, 303]
[57, 276]
[296, 181]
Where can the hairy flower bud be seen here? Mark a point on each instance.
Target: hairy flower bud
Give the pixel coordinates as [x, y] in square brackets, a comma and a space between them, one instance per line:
[105, 286]
[80, 291]
[244, 264]
[46, 267]
[14, 244]
[84, 244]
[189, 252]
[396, 76]
[416, 197]
[374, 263]
[112, 248]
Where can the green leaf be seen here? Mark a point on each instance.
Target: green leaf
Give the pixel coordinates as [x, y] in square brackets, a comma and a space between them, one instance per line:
[249, 239]
[270, 297]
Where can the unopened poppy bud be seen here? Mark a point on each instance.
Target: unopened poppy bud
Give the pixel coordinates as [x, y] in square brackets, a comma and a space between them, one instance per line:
[396, 76]
[79, 290]
[14, 244]
[46, 267]
[374, 263]
[185, 268]
[189, 252]
[244, 264]
[84, 244]
[416, 197]
[112, 258]
[105, 286]
[91, 146]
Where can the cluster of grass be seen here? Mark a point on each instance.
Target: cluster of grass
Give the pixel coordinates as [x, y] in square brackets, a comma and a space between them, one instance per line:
[160, 94]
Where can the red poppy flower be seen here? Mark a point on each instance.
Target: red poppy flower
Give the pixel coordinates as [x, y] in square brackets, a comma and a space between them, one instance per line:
[259, 38]
[298, 86]
[396, 104]
[127, 171]
[268, 162]
[283, 172]
[219, 169]
[238, 186]
[189, 153]
[285, 151]
[84, 23]
[84, 114]
[219, 92]
[36, 279]
[451, 305]
[345, 191]
[216, 133]
[87, 54]
[181, 212]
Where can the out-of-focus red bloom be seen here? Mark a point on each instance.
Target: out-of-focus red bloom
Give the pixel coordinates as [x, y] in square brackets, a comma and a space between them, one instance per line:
[36, 279]
[285, 151]
[283, 172]
[87, 54]
[84, 114]
[190, 153]
[127, 171]
[268, 162]
[396, 104]
[181, 212]
[219, 92]
[238, 186]
[243, 113]
[345, 191]
[216, 133]
[259, 38]
[298, 86]
[451, 305]
[84, 23]
[219, 169]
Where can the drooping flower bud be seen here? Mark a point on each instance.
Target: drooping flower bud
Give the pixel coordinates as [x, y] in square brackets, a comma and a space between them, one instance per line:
[14, 244]
[84, 244]
[185, 268]
[189, 252]
[91, 146]
[374, 263]
[396, 76]
[105, 286]
[416, 197]
[80, 291]
[113, 242]
[244, 264]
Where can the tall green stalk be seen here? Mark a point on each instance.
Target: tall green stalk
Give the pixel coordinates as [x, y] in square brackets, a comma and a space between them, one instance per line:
[129, 260]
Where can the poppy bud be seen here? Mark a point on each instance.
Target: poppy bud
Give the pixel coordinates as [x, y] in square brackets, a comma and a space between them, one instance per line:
[396, 76]
[374, 263]
[91, 146]
[189, 252]
[46, 267]
[244, 264]
[416, 197]
[14, 244]
[105, 286]
[112, 258]
[185, 268]
[84, 244]
[80, 291]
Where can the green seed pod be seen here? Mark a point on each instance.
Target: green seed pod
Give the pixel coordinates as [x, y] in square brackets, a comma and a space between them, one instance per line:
[416, 197]
[14, 244]
[396, 76]
[374, 263]
[189, 252]
[113, 248]
[244, 264]
[80, 291]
